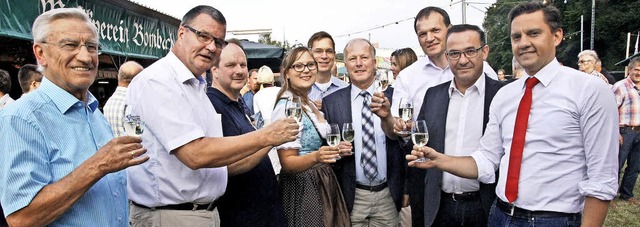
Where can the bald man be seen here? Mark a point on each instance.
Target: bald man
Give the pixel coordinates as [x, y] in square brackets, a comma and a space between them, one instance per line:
[114, 109]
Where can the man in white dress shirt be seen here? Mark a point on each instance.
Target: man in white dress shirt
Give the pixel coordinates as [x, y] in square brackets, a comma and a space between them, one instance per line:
[186, 171]
[567, 172]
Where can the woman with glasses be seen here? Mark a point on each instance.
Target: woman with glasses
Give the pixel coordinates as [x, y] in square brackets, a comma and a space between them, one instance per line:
[310, 191]
[400, 59]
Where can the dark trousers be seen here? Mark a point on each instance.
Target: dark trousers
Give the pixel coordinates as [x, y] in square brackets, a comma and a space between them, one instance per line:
[498, 217]
[453, 213]
[629, 153]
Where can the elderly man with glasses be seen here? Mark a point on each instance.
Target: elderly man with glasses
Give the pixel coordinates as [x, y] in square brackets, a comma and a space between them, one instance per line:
[59, 163]
[587, 63]
[187, 171]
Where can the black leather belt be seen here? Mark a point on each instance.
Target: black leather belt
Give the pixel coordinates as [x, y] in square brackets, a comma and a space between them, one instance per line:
[466, 196]
[634, 128]
[183, 206]
[515, 211]
[376, 188]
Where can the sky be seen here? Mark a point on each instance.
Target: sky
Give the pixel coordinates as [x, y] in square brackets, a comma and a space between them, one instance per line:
[297, 20]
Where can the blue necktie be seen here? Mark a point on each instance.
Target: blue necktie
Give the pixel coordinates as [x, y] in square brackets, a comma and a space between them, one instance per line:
[368, 159]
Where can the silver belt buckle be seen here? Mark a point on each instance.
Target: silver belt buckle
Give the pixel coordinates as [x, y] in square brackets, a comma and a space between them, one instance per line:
[453, 196]
[512, 208]
[195, 207]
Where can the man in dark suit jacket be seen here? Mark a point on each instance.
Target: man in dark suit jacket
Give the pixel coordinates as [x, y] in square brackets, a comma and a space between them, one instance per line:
[456, 113]
[376, 201]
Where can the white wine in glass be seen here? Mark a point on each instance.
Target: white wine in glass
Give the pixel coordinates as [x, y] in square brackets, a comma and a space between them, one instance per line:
[294, 108]
[420, 136]
[348, 134]
[405, 111]
[133, 125]
[333, 136]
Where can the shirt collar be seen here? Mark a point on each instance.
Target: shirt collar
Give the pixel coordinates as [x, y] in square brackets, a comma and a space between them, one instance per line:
[218, 94]
[545, 75]
[479, 86]
[183, 73]
[355, 91]
[428, 63]
[63, 99]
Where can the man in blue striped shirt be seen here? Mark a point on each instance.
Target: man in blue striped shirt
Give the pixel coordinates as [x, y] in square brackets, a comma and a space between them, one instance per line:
[59, 164]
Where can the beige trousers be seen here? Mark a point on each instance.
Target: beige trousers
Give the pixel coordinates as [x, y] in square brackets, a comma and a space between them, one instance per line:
[143, 217]
[373, 209]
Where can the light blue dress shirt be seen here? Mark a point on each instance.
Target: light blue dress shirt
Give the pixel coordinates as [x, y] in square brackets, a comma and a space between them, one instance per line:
[46, 135]
[380, 138]
[317, 94]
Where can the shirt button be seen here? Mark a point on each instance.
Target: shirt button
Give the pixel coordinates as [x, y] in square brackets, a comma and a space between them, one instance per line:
[115, 194]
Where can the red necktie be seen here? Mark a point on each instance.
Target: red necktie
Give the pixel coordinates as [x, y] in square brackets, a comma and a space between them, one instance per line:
[517, 144]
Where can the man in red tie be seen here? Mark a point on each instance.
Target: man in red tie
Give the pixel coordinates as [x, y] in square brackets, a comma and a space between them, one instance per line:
[556, 148]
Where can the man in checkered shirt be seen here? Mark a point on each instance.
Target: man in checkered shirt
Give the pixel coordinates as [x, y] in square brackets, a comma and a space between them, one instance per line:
[628, 99]
[114, 109]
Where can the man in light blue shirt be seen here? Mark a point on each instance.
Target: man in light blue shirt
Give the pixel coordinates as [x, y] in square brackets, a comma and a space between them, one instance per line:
[59, 165]
[324, 52]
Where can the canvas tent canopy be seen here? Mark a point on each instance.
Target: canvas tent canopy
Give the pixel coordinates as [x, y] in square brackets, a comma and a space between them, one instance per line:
[259, 54]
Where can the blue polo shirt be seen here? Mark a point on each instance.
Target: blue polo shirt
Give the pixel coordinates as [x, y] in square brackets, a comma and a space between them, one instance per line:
[46, 135]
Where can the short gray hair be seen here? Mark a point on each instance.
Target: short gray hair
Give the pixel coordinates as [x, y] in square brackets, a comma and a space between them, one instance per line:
[634, 61]
[589, 53]
[40, 29]
[373, 49]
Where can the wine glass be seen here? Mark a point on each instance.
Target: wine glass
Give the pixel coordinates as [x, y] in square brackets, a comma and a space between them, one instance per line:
[382, 80]
[333, 136]
[294, 108]
[420, 136]
[405, 110]
[348, 134]
[133, 125]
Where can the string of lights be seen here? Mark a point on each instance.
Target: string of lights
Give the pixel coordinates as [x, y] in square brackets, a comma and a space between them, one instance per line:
[374, 28]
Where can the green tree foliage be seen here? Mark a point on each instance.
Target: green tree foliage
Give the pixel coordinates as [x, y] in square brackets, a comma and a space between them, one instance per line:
[614, 19]
[266, 39]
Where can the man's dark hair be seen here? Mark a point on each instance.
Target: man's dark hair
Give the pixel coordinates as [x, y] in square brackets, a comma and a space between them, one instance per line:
[27, 74]
[551, 14]
[5, 81]
[467, 27]
[426, 12]
[252, 71]
[318, 36]
[203, 9]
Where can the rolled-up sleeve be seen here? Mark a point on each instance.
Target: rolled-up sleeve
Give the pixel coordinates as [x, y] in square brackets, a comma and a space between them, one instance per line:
[490, 151]
[599, 124]
[24, 162]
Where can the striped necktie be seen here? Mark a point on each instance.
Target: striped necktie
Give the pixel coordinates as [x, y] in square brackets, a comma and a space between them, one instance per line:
[368, 159]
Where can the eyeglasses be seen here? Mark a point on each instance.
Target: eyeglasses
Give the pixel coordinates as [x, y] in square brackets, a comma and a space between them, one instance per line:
[207, 39]
[300, 67]
[319, 51]
[74, 47]
[469, 53]
[583, 61]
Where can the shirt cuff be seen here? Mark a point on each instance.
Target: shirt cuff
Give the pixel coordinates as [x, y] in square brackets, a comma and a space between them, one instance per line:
[602, 191]
[486, 170]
